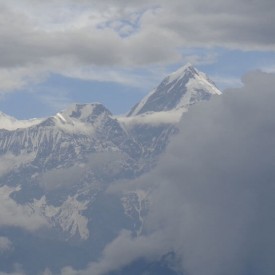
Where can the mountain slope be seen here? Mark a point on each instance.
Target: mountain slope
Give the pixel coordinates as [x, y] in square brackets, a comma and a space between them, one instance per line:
[57, 169]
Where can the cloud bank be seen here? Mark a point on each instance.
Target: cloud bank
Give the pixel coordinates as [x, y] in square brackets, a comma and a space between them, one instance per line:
[213, 192]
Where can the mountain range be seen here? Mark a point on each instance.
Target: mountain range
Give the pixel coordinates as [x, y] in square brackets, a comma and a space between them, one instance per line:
[54, 173]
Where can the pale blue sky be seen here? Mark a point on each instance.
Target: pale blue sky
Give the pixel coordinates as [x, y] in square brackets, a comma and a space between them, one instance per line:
[114, 52]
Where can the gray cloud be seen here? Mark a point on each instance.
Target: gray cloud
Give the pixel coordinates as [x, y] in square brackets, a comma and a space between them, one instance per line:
[113, 258]
[216, 183]
[213, 192]
[66, 36]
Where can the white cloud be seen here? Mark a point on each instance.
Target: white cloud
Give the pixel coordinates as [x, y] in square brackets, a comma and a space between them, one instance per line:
[14, 214]
[65, 36]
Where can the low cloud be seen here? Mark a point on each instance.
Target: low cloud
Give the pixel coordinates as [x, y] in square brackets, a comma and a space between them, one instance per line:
[65, 177]
[16, 215]
[17, 270]
[122, 251]
[9, 161]
[215, 186]
[154, 118]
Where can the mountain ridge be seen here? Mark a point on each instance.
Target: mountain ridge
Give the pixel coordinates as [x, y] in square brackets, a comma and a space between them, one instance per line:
[175, 81]
[58, 169]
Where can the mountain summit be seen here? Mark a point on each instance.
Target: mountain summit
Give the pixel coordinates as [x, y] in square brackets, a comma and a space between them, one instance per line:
[180, 89]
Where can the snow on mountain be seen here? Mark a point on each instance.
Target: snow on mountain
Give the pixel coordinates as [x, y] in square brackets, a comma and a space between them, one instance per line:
[178, 90]
[80, 118]
[154, 119]
[67, 216]
[11, 123]
[65, 163]
[75, 115]
[85, 112]
[80, 128]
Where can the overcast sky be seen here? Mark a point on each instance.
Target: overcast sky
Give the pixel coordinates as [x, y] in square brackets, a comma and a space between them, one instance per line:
[54, 52]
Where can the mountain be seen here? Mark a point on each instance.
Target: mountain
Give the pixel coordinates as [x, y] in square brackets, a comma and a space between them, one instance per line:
[54, 173]
[153, 120]
[178, 90]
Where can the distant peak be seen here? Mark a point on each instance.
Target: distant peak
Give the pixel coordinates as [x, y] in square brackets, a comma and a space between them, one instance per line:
[84, 111]
[180, 89]
[187, 70]
[187, 66]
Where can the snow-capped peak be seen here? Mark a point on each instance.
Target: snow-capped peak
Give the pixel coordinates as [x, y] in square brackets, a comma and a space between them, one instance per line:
[81, 118]
[187, 69]
[178, 90]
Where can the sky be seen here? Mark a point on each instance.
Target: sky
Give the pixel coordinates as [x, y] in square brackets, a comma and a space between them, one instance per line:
[213, 194]
[55, 53]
